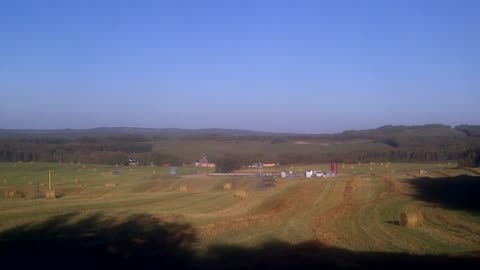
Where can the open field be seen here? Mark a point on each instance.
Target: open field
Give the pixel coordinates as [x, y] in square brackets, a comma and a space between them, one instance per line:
[145, 216]
[358, 210]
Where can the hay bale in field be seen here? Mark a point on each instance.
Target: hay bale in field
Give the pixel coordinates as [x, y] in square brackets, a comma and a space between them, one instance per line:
[370, 168]
[183, 188]
[110, 185]
[50, 194]
[14, 194]
[240, 194]
[411, 219]
[227, 186]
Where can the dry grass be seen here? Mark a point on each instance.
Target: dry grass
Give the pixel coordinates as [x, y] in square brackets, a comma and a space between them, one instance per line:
[356, 210]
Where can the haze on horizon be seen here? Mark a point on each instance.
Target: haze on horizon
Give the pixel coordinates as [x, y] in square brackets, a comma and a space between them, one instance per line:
[285, 66]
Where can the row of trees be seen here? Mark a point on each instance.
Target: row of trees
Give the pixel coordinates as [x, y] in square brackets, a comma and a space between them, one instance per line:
[470, 158]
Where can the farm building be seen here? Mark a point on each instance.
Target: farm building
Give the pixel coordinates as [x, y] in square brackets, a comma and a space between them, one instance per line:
[203, 162]
[262, 165]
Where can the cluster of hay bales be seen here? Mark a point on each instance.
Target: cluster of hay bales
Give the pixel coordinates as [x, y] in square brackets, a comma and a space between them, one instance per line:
[110, 185]
[50, 194]
[183, 188]
[411, 219]
[227, 186]
[14, 194]
[240, 194]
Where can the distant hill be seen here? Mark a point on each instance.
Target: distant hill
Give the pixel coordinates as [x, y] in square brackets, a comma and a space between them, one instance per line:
[115, 145]
[400, 131]
[116, 131]
[469, 130]
[384, 131]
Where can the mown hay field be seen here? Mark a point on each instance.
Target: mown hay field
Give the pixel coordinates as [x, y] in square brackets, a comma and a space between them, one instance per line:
[357, 210]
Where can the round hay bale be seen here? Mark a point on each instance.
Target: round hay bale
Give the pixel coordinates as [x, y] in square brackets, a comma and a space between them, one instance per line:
[227, 186]
[50, 194]
[240, 194]
[411, 219]
[183, 188]
[14, 194]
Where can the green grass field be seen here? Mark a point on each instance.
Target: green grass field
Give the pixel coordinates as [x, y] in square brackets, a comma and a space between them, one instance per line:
[357, 210]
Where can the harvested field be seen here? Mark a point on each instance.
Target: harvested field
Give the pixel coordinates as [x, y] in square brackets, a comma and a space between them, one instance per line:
[358, 210]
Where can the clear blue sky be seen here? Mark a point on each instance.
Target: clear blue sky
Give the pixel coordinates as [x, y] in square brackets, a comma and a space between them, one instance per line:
[293, 66]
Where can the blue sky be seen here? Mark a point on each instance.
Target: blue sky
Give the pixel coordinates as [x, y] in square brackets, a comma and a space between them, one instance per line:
[291, 66]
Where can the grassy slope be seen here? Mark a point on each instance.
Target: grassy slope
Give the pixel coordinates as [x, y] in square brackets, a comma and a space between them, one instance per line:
[355, 210]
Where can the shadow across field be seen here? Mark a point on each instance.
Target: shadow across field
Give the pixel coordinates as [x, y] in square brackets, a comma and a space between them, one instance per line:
[143, 241]
[461, 192]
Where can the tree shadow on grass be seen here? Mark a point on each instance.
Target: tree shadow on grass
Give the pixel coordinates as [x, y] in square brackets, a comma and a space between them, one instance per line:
[97, 242]
[460, 192]
[146, 242]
